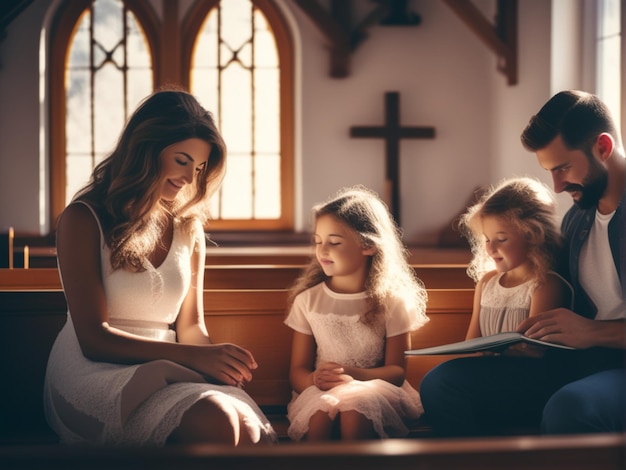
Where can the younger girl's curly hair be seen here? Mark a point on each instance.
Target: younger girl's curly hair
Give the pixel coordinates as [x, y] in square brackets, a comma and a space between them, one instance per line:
[390, 274]
[528, 205]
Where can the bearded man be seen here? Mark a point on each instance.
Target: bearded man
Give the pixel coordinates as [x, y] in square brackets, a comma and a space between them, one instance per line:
[582, 390]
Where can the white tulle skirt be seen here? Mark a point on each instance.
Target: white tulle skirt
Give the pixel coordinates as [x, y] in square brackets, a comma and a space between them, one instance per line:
[391, 409]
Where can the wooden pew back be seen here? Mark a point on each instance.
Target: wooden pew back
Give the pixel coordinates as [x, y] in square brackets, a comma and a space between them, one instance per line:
[242, 276]
[45, 256]
[255, 318]
[252, 318]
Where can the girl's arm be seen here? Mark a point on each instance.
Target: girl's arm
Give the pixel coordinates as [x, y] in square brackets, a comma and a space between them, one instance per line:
[301, 368]
[394, 370]
[473, 331]
[553, 293]
[78, 251]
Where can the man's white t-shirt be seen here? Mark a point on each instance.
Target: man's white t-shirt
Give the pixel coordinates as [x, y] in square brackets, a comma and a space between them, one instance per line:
[598, 275]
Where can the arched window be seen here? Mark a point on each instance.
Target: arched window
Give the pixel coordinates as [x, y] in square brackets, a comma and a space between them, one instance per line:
[102, 66]
[236, 57]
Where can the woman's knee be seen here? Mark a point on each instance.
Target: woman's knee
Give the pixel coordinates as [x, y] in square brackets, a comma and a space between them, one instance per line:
[209, 420]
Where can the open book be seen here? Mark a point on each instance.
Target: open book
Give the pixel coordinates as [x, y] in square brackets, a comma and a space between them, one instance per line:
[495, 343]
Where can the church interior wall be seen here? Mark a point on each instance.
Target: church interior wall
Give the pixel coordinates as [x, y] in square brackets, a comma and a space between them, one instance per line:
[445, 76]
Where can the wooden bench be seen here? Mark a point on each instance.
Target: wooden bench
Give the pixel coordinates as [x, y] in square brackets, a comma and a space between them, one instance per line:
[45, 256]
[252, 318]
[583, 452]
[242, 276]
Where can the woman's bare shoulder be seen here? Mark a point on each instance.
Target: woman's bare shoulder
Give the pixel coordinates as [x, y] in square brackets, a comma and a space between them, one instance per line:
[77, 220]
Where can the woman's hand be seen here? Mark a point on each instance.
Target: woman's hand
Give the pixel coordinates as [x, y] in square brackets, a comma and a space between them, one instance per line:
[225, 363]
[329, 375]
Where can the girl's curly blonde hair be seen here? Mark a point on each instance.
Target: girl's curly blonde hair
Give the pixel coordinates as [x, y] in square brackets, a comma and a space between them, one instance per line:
[390, 274]
[528, 205]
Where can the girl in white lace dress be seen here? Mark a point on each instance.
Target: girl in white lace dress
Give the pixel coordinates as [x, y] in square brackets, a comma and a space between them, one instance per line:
[352, 312]
[516, 244]
[134, 364]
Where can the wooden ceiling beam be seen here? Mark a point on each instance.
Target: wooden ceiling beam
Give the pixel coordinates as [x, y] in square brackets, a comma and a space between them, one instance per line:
[338, 37]
[500, 39]
[9, 10]
[342, 38]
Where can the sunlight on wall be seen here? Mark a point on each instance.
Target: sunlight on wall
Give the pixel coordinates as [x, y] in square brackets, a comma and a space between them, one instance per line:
[586, 49]
[608, 66]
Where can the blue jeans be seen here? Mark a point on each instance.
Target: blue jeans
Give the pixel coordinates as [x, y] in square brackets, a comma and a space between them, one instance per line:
[488, 395]
[596, 403]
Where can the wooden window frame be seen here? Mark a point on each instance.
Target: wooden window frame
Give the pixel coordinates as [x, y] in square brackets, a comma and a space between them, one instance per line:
[191, 27]
[62, 30]
[165, 43]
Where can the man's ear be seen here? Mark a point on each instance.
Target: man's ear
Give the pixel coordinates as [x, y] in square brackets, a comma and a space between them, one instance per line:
[604, 145]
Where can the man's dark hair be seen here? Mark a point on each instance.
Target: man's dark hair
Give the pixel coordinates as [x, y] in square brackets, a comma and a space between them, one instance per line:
[578, 117]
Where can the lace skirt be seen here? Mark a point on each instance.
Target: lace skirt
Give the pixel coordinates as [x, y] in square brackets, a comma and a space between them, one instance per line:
[391, 409]
[141, 404]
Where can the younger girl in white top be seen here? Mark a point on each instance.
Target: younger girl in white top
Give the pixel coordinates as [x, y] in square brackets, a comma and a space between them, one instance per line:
[352, 311]
[516, 243]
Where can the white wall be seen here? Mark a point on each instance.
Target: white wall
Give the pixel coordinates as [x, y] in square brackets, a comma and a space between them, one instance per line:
[514, 105]
[19, 121]
[446, 77]
[440, 70]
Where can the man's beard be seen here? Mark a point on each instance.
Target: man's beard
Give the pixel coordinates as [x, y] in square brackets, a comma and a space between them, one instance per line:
[593, 186]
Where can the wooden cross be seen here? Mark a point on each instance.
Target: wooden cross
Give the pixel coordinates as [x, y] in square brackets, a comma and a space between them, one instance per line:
[392, 133]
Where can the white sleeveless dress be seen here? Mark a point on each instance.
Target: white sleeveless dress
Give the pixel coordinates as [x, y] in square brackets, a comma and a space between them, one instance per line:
[334, 321]
[502, 309]
[141, 404]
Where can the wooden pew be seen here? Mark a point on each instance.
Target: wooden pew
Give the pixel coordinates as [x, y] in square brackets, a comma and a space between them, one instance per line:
[255, 320]
[252, 318]
[45, 256]
[584, 452]
[241, 276]
[31, 320]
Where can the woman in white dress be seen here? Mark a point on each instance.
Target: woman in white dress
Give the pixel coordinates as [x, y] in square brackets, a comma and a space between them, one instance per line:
[134, 364]
[352, 313]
